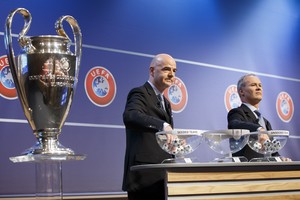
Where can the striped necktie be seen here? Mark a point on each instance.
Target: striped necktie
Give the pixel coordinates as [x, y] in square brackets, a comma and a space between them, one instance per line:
[162, 102]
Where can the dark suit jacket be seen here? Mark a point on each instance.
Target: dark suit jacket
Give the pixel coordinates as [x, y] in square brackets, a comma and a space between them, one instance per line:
[243, 118]
[143, 117]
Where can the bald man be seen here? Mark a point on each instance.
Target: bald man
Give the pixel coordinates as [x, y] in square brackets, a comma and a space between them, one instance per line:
[145, 115]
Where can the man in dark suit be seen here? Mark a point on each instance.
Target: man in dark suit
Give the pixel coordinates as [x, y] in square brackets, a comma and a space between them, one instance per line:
[246, 116]
[144, 115]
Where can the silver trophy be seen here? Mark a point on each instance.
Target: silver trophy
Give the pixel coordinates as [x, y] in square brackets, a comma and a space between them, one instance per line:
[45, 74]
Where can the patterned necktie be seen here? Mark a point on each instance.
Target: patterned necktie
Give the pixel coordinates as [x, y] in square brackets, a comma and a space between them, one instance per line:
[261, 119]
[162, 102]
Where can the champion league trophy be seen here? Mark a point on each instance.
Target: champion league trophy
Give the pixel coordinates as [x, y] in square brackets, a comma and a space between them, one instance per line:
[45, 74]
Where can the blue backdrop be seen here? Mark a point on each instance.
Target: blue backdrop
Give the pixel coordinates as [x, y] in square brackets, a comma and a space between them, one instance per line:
[214, 43]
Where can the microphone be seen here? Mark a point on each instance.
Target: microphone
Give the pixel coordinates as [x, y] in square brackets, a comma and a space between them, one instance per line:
[257, 121]
[159, 105]
[168, 106]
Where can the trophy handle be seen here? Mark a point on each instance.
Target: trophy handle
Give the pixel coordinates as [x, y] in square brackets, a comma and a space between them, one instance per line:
[77, 36]
[9, 47]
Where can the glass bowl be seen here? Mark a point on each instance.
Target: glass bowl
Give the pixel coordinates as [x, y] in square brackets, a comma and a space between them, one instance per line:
[276, 139]
[179, 143]
[227, 142]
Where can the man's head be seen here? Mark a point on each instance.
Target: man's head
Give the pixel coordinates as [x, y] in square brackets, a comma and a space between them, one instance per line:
[250, 89]
[162, 71]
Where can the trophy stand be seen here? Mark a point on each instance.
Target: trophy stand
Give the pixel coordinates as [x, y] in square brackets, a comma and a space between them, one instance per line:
[48, 173]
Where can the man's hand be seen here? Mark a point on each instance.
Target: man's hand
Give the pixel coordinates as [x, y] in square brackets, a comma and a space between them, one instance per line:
[262, 137]
[170, 137]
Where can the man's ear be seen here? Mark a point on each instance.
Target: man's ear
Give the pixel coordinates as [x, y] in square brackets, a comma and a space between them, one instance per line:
[151, 71]
[242, 92]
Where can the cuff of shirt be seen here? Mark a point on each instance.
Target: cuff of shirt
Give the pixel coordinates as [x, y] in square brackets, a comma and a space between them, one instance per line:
[259, 128]
[166, 124]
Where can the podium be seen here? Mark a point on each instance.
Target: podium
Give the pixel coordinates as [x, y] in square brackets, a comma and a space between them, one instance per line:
[230, 181]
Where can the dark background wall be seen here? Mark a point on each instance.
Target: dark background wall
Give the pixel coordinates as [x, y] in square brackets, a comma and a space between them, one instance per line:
[214, 42]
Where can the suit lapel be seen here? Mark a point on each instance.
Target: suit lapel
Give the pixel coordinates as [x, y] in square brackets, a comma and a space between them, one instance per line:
[249, 114]
[168, 113]
[152, 95]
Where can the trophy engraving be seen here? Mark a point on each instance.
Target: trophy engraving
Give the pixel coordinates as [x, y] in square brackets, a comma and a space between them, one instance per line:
[45, 74]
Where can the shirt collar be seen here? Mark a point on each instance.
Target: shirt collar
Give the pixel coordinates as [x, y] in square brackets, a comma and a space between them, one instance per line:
[252, 108]
[157, 92]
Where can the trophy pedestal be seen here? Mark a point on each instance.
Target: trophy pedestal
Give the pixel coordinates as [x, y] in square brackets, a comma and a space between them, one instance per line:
[48, 173]
[48, 146]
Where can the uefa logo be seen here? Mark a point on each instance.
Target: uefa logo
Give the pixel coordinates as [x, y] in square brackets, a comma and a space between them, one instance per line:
[100, 86]
[231, 98]
[284, 106]
[7, 86]
[177, 95]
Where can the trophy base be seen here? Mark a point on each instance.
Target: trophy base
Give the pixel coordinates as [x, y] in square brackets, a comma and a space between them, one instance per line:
[50, 147]
[46, 158]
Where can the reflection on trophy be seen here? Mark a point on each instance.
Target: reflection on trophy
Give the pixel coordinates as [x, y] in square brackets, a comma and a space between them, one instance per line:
[45, 74]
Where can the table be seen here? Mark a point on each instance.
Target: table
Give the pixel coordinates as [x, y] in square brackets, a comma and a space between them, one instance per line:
[230, 181]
